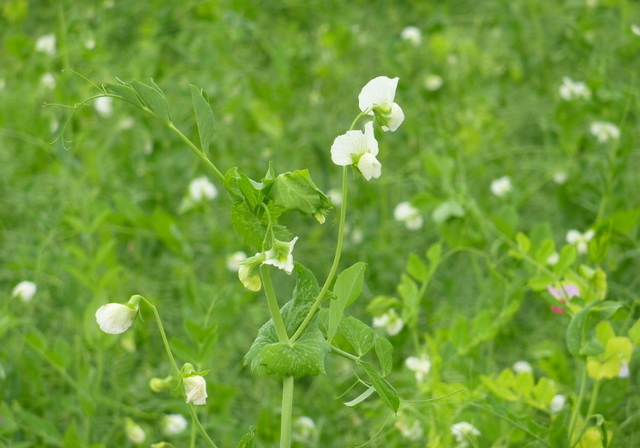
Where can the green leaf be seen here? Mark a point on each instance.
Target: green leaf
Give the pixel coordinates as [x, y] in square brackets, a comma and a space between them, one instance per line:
[126, 92]
[459, 334]
[592, 348]
[204, 117]
[360, 398]
[434, 254]
[604, 332]
[634, 333]
[384, 350]
[558, 432]
[546, 249]
[381, 304]
[416, 268]
[71, 437]
[540, 283]
[383, 388]
[182, 350]
[576, 329]
[347, 289]
[247, 439]
[296, 191]
[153, 99]
[523, 384]
[360, 335]
[568, 256]
[253, 227]
[410, 295]
[544, 391]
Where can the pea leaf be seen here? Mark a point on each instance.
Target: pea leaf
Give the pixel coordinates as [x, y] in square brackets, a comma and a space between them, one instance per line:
[204, 117]
[360, 398]
[153, 99]
[252, 226]
[416, 268]
[383, 388]
[125, 91]
[296, 191]
[360, 335]
[384, 350]
[576, 328]
[247, 439]
[347, 289]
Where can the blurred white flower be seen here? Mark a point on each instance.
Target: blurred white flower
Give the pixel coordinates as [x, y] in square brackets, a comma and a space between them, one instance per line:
[413, 432]
[2, 84]
[304, 429]
[116, 318]
[24, 290]
[553, 259]
[591, 3]
[391, 322]
[201, 189]
[104, 106]
[463, 432]
[126, 123]
[571, 90]
[90, 44]
[405, 212]
[557, 403]
[624, 370]
[580, 240]
[635, 29]
[195, 389]
[281, 255]
[335, 196]
[421, 366]
[48, 81]
[360, 149]
[357, 236]
[412, 34]
[173, 424]
[377, 98]
[234, 259]
[501, 187]
[46, 44]
[604, 131]
[433, 82]
[522, 367]
[134, 432]
[560, 177]
[53, 127]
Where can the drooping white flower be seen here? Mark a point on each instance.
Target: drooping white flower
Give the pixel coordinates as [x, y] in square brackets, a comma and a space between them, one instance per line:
[464, 432]
[421, 366]
[173, 424]
[522, 367]
[553, 259]
[281, 255]
[391, 322]
[304, 429]
[201, 189]
[195, 389]
[377, 98]
[46, 44]
[116, 318]
[412, 34]
[104, 106]
[560, 177]
[604, 131]
[134, 432]
[360, 149]
[48, 81]
[234, 259]
[433, 82]
[501, 187]
[249, 278]
[25, 290]
[411, 432]
[557, 403]
[571, 90]
[580, 240]
[405, 212]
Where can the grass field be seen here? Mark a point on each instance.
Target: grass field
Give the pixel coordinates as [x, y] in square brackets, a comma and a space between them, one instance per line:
[513, 267]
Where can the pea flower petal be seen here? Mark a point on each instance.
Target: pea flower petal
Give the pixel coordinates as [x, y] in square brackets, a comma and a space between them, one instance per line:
[195, 389]
[116, 318]
[377, 98]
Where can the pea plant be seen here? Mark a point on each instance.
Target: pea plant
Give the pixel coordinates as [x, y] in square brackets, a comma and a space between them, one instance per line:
[299, 335]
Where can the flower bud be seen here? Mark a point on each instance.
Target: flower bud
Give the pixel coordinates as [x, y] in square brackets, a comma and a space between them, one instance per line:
[173, 424]
[195, 389]
[160, 384]
[115, 318]
[134, 432]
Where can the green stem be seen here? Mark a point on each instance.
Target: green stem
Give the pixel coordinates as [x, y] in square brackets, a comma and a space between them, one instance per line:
[334, 266]
[196, 421]
[287, 411]
[594, 398]
[344, 354]
[355, 121]
[197, 151]
[272, 301]
[520, 427]
[576, 409]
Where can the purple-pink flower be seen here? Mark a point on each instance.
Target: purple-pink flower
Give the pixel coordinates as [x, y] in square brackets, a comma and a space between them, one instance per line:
[562, 294]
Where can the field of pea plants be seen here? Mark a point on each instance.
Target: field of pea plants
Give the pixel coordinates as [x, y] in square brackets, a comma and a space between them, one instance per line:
[322, 224]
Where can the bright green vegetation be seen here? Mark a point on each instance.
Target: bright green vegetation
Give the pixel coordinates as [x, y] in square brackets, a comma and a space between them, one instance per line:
[103, 213]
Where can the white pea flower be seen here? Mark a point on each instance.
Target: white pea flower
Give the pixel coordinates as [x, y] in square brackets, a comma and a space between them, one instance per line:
[104, 106]
[501, 187]
[571, 90]
[201, 189]
[463, 432]
[412, 34]
[557, 403]
[522, 367]
[126, 123]
[360, 149]
[635, 29]
[580, 240]
[392, 323]
[408, 214]
[624, 370]
[24, 290]
[90, 44]
[249, 277]
[553, 259]
[195, 389]
[234, 259]
[173, 424]
[357, 236]
[134, 432]
[413, 432]
[281, 255]
[560, 177]
[304, 429]
[604, 131]
[433, 82]
[421, 366]
[377, 98]
[46, 44]
[48, 81]
[116, 318]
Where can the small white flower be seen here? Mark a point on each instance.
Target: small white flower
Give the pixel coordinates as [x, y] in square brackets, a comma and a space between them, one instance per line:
[557, 403]
[377, 98]
[571, 90]
[249, 278]
[201, 189]
[357, 236]
[195, 389]
[635, 29]
[580, 240]
[104, 106]
[405, 212]
[90, 44]
[421, 366]
[604, 131]
[46, 44]
[304, 429]
[501, 187]
[553, 259]
[116, 318]
[126, 123]
[412, 34]
[234, 259]
[48, 81]
[433, 82]
[392, 323]
[522, 367]
[134, 432]
[24, 290]
[463, 432]
[560, 177]
[624, 370]
[281, 255]
[413, 432]
[173, 424]
[360, 149]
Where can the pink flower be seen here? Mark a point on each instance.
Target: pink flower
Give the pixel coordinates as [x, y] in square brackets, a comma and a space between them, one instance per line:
[564, 292]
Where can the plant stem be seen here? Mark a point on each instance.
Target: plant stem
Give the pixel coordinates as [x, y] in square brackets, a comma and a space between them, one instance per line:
[196, 150]
[272, 301]
[196, 421]
[287, 410]
[334, 266]
[576, 409]
[344, 354]
[594, 398]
